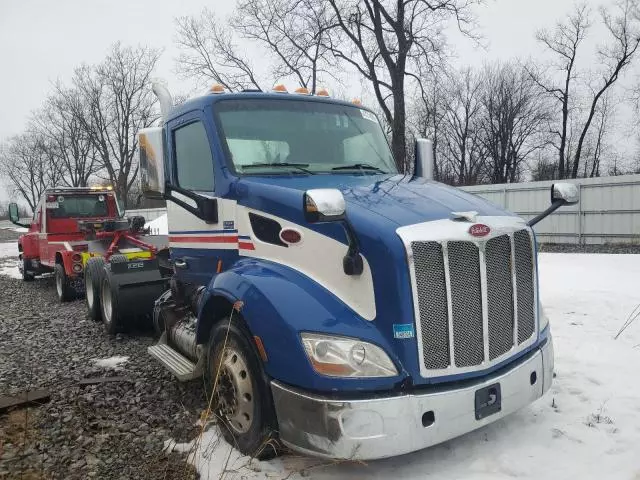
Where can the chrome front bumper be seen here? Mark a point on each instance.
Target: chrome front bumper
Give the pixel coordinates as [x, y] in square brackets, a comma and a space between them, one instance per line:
[382, 427]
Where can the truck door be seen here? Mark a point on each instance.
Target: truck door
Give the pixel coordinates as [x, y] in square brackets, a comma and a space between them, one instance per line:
[195, 245]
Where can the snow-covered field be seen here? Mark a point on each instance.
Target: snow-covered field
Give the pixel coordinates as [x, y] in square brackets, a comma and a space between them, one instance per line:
[586, 427]
[8, 259]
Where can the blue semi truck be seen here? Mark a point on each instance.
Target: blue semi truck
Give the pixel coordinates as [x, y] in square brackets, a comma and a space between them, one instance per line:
[332, 303]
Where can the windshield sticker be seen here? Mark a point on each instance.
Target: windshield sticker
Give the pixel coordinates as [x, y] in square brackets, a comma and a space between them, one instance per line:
[367, 115]
[51, 205]
[60, 199]
[403, 330]
[101, 198]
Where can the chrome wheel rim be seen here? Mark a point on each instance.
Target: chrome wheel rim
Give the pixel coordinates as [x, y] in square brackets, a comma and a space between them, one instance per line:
[107, 307]
[234, 391]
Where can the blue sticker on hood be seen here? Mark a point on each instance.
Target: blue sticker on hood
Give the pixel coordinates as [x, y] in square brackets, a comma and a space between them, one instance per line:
[403, 330]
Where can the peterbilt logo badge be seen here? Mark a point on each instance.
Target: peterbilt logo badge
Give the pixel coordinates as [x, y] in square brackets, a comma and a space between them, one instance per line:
[479, 230]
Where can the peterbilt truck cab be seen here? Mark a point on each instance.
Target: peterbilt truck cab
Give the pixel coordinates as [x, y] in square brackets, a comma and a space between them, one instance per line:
[332, 303]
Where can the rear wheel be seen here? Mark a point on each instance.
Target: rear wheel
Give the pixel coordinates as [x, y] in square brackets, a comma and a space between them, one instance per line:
[241, 398]
[109, 306]
[93, 273]
[64, 287]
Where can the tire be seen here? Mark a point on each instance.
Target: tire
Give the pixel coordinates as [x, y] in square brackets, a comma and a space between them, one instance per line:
[27, 276]
[93, 273]
[64, 288]
[242, 404]
[109, 305]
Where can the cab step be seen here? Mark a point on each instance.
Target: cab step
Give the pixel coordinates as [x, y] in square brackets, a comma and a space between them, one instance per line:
[181, 367]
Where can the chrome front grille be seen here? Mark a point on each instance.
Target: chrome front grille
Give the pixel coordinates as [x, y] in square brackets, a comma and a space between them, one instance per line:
[476, 299]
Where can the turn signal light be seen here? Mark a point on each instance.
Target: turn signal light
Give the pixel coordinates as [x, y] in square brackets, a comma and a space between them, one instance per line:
[76, 258]
[280, 88]
[77, 268]
[216, 88]
[356, 101]
[323, 92]
[302, 91]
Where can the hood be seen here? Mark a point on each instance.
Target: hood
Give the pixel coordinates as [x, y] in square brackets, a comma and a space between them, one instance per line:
[400, 200]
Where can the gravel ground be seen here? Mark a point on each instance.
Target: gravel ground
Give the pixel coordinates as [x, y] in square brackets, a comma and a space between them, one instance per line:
[107, 431]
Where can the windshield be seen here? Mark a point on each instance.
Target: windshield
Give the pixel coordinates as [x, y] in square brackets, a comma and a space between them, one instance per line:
[74, 206]
[305, 137]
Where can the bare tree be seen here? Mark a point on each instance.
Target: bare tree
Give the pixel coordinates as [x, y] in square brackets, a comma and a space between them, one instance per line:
[116, 102]
[563, 43]
[461, 131]
[514, 118]
[614, 58]
[209, 53]
[383, 41]
[70, 146]
[294, 32]
[26, 162]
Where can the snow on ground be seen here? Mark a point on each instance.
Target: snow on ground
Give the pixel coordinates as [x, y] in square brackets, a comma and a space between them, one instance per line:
[587, 426]
[114, 363]
[158, 226]
[9, 260]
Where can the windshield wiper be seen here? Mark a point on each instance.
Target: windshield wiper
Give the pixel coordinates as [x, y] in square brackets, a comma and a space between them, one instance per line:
[360, 166]
[299, 166]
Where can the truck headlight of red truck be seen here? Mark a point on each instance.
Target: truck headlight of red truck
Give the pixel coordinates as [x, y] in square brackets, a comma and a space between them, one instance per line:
[335, 356]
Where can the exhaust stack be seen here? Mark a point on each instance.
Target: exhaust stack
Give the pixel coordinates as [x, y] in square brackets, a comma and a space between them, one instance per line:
[164, 97]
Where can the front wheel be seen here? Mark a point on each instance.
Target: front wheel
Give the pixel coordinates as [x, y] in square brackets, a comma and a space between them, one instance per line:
[64, 288]
[241, 397]
[27, 275]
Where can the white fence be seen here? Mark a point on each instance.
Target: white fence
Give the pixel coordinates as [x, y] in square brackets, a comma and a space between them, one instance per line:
[608, 211]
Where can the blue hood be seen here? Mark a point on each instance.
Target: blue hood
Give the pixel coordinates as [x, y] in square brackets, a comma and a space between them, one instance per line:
[401, 200]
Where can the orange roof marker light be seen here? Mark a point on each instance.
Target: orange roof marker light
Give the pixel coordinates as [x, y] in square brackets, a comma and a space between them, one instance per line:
[302, 91]
[280, 88]
[216, 88]
[356, 101]
[323, 92]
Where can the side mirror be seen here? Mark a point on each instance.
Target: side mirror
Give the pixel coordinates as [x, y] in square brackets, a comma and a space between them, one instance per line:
[327, 205]
[323, 205]
[564, 192]
[14, 214]
[561, 194]
[423, 159]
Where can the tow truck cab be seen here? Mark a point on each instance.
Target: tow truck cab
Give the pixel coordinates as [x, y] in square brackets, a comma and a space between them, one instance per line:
[358, 312]
[54, 234]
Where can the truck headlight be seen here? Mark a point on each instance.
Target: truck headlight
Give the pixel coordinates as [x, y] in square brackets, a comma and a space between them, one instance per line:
[346, 357]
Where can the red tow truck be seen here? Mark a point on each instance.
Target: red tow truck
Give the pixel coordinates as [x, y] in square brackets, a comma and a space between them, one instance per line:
[75, 233]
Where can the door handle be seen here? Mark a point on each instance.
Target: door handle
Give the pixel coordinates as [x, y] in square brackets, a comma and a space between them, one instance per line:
[179, 263]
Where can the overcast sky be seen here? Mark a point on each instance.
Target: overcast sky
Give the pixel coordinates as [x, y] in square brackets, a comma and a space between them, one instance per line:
[44, 40]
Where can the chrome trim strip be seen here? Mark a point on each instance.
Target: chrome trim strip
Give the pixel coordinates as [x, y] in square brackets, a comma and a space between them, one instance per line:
[485, 303]
[514, 281]
[447, 281]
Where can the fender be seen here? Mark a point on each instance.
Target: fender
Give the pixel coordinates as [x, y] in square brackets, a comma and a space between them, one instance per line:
[278, 304]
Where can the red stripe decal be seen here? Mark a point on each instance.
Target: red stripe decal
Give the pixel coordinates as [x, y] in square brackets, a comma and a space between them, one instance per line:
[246, 246]
[202, 239]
